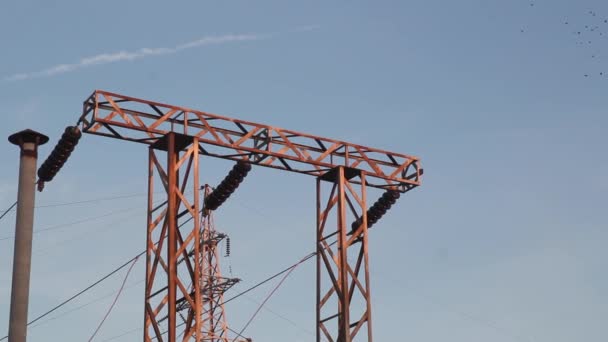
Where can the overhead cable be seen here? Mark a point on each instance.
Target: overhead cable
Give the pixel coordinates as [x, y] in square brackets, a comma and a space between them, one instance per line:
[240, 334]
[7, 210]
[122, 286]
[81, 292]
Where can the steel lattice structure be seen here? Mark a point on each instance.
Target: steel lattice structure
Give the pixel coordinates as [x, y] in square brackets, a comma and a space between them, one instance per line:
[142, 121]
[342, 282]
[212, 284]
[173, 231]
[343, 288]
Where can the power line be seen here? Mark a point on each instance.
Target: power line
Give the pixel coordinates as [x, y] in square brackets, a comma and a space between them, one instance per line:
[99, 199]
[81, 292]
[283, 317]
[462, 314]
[89, 287]
[306, 258]
[99, 299]
[94, 284]
[288, 269]
[122, 286]
[122, 334]
[240, 334]
[92, 200]
[63, 204]
[86, 234]
[63, 225]
[7, 210]
[120, 267]
[243, 293]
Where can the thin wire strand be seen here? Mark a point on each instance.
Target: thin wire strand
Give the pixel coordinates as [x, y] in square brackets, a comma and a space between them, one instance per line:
[122, 334]
[278, 315]
[63, 225]
[90, 286]
[306, 258]
[93, 200]
[139, 255]
[78, 308]
[81, 292]
[122, 286]
[240, 334]
[7, 210]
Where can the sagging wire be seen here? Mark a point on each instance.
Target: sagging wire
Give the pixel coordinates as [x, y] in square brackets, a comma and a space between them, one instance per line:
[122, 286]
[274, 290]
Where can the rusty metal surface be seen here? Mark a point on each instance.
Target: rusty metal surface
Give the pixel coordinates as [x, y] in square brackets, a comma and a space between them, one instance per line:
[341, 279]
[213, 284]
[169, 242]
[128, 118]
[174, 271]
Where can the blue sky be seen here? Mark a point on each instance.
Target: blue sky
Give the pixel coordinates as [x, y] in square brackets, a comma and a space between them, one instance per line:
[505, 241]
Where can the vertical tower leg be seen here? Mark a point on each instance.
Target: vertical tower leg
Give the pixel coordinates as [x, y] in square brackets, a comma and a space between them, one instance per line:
[173, 230]
[342, 259]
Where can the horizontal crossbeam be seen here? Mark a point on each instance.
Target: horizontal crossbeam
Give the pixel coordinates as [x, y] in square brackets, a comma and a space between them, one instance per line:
[127, 118]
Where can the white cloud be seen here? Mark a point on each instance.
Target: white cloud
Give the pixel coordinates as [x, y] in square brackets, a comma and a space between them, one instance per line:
[106, 58]
[307, 28]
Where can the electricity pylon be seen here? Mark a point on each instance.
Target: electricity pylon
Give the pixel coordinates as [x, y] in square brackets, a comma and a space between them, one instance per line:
[344, 171]
[213, 285]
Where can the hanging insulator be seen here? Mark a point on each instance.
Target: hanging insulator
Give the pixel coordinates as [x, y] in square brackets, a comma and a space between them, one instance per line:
[227, 186]
[65, 146]
[227, 246]
[378, 209]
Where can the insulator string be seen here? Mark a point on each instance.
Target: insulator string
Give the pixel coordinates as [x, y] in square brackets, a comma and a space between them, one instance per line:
[228, 185]
[60, 154]
[378, 209]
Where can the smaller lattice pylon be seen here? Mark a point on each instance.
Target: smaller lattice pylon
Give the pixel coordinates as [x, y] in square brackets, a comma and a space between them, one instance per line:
[213, 286]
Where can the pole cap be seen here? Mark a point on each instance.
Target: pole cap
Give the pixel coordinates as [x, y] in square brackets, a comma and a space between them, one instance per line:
[28, 136]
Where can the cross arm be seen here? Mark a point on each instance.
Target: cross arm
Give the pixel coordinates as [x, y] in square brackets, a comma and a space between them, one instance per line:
[132, 119]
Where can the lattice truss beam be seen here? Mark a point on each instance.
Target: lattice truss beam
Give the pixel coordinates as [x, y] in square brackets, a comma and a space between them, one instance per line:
[127, 118]
[343, 281]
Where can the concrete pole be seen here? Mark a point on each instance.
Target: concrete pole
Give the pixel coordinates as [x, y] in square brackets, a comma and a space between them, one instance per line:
[28, 141]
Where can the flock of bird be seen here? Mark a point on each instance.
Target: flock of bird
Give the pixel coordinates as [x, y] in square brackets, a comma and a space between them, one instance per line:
[591, 36]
